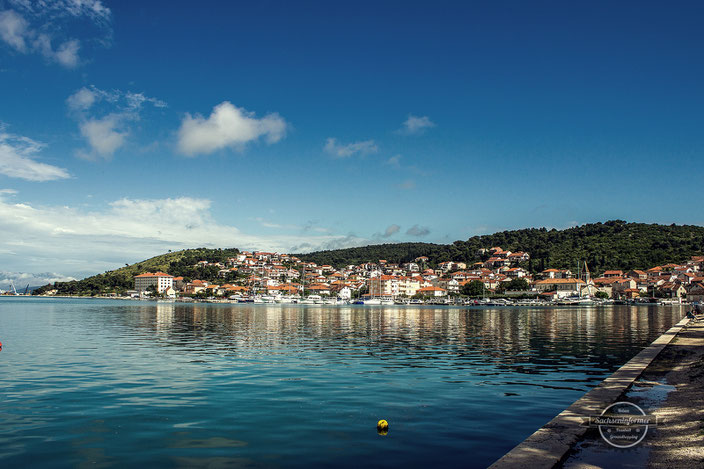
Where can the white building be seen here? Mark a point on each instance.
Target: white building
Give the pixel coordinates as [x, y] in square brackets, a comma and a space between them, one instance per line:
[432, 291]
[161, 281]
[345, 293]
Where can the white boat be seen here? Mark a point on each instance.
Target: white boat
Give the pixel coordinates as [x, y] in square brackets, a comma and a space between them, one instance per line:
[311, 300]
[370, 301]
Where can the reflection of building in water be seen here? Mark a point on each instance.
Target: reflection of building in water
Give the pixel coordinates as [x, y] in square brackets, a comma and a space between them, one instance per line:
[164, 316]
[522, 340]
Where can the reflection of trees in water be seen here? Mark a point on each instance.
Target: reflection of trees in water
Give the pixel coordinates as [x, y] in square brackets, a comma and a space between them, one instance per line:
[517, 340]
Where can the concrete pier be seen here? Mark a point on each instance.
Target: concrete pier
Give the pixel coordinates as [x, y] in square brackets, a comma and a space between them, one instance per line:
[550, 445]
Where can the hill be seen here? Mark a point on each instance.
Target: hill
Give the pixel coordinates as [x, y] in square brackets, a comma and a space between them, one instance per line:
[179, 263]
[611, 245]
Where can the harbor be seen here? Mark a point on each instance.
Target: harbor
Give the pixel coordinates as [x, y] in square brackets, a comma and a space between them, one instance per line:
[185, 381]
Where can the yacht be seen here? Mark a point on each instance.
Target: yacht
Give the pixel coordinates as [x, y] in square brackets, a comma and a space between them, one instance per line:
[368, 301]
[311, 300]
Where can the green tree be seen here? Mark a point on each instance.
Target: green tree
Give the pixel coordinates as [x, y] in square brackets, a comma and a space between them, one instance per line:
[517, 284]
[473, 288]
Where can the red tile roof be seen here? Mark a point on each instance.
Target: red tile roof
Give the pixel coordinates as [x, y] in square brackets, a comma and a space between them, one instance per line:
[153, 274]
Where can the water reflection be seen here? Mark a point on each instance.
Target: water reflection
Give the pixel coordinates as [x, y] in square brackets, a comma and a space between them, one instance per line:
[87, 382]
[522, 341]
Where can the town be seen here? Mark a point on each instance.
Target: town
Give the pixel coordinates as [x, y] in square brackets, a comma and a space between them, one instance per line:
[266, 277]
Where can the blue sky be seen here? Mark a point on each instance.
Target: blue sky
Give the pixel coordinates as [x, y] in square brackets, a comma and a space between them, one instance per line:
[130, 128]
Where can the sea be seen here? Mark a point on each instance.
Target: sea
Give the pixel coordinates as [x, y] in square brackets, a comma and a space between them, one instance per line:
[117, 383]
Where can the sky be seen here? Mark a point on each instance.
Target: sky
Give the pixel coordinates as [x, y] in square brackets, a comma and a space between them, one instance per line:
[130, 128]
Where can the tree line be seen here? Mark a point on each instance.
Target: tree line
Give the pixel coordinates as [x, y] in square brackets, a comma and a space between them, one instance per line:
[611, 245]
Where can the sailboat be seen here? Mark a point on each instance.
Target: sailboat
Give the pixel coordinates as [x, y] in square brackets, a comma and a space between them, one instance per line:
[582, 297]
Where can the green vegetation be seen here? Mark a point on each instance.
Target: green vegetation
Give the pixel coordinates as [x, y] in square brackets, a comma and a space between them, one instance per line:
[517, 284]
[180, 263]
[473, 289]
[394, 253]
[611, 245]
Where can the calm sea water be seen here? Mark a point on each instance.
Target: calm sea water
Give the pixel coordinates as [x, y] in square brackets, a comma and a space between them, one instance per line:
[115, 383]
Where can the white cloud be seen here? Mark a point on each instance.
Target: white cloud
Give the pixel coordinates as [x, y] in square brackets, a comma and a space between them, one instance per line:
[390, 231]
[53, 10]
[416, 125]
[83, 99]
[35, 26]
[23, 279]
[13, 29]
[345, 151]
[124, 101]
[338, 242]
[227, 127]
[417, 230]
[66, 54]
[135, 101]
[103, 135]
[107, 133]
[71, 240]
[17, 159]
[394, 161]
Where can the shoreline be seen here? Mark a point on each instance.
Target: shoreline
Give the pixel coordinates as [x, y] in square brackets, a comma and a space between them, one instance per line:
[479, 305]
[552, 444]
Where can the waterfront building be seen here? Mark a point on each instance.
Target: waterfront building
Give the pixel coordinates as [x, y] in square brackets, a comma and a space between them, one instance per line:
[159, 280]
[562, 286]
[696, 293]
[449, 284]
[432, 291]
[194, 287]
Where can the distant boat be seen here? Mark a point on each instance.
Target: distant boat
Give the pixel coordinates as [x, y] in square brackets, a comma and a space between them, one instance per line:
[311, 300]
[369, 301]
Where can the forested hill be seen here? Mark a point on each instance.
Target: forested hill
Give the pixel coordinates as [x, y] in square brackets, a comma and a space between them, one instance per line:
[611, 245]
[179, 263]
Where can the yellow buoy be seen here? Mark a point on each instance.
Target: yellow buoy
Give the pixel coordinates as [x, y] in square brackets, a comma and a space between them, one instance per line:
[382, 427]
